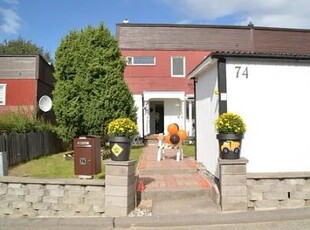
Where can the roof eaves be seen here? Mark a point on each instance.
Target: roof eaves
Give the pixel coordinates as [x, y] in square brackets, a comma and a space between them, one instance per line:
[225, 54]
[204, 64]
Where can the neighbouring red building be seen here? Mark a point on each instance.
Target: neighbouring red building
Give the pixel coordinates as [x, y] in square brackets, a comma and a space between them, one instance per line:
[160, 57]
[24, 79]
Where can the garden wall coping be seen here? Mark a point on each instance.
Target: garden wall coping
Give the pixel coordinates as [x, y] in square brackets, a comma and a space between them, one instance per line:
[57, 181]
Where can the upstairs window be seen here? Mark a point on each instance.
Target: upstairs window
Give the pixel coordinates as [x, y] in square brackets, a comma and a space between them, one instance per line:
[2, 94]
[140, 60]
[178, 66]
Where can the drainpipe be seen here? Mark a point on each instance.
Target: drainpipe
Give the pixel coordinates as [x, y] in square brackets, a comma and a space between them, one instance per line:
[195, 82]
[143, 117]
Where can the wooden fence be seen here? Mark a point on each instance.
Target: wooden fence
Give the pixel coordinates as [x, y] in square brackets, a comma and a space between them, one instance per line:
[22, 147]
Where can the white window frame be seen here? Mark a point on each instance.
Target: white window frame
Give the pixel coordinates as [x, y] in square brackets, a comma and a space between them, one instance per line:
[3, 94]
[184, 65]
[130, 60]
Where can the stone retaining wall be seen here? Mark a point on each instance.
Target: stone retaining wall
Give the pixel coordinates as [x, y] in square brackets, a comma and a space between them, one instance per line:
[22, 196]
[278, 190]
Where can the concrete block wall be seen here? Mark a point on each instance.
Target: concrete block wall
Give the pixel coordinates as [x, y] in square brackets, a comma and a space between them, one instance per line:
[278, 190]
[31, 197]
[233, 184]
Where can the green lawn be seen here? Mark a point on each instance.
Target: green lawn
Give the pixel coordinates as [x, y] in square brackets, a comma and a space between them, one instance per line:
[189, 150]
[55, 166]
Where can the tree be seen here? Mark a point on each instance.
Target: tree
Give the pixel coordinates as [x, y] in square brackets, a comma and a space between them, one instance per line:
[20, 46]
[90, 90]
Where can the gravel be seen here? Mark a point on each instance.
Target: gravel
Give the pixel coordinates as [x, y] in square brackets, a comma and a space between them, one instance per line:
[140, 212]
[143, 209]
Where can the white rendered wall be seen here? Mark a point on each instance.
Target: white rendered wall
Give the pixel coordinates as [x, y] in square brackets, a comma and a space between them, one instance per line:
[173, 108]
[274, 102]
[206, 113]
[173, 113]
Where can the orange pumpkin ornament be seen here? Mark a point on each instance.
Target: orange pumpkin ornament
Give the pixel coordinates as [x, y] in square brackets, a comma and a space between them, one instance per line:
[167, 139]
[173, 128]
[182, 134]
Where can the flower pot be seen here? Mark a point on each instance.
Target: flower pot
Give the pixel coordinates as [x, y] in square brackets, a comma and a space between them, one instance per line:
[230, 145]
[120, 148]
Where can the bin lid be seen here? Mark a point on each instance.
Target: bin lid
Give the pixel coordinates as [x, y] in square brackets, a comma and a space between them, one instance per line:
[86, 136]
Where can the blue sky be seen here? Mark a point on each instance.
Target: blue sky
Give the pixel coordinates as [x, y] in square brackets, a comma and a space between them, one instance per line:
[46, 22]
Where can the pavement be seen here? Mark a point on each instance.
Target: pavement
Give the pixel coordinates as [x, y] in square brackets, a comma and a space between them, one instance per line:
[180, 199]
[284, 219]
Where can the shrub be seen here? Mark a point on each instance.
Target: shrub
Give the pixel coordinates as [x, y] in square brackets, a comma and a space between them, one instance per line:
[23, 122]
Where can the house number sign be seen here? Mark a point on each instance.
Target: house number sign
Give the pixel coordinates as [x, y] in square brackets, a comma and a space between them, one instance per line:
[83, 161]
[242, 71]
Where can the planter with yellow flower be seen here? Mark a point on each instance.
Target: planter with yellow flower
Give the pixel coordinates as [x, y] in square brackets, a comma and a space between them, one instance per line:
[121, 131]
[231, 129]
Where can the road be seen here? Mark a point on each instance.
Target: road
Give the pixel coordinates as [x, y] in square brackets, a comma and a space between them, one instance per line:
[278, 225]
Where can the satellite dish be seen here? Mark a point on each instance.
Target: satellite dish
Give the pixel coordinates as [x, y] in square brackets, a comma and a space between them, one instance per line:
[45, 103]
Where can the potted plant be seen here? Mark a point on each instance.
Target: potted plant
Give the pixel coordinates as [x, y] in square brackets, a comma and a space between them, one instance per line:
[231, 129]
[121, 132]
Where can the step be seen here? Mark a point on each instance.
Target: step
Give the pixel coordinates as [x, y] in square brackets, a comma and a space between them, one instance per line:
[178, 201]
[156, 171]
[186, 205]
[171, 194]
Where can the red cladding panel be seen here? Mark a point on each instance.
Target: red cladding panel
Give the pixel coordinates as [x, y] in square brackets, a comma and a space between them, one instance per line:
[20, 91]
[158, 77]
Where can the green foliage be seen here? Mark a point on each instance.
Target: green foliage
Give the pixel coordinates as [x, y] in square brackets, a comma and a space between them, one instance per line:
[21, 47]
[230, 123]
[90, 90]
[22, 122]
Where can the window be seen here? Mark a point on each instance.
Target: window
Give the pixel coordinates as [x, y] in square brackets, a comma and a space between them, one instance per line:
[2, 94]
[178, 66]
[140, 60]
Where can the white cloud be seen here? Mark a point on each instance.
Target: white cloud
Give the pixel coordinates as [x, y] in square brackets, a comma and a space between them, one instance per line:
[10, 21]
[275, 13]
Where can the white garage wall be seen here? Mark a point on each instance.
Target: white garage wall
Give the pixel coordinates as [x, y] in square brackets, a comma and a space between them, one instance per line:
[273, 101]
[206, 113]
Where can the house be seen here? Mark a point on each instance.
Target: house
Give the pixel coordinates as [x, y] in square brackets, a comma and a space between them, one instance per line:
[24, 79]
[160, 57]
[270, 92]
[260, 72]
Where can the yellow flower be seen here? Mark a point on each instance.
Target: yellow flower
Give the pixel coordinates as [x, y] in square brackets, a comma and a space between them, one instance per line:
[230, 123]
[122, 127]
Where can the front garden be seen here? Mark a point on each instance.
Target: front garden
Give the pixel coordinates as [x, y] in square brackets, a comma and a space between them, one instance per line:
[57, 166]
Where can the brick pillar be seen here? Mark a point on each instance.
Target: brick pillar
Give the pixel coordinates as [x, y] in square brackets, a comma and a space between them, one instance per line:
[233, 184]
[120, 187]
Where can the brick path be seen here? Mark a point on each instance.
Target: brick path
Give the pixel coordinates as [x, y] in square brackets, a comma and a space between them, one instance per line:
[169, 174]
